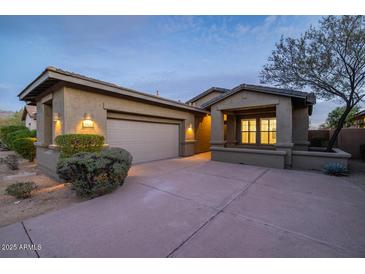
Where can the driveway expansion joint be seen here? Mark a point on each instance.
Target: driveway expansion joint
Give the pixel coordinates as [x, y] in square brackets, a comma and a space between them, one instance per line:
[30, 239]
[297, 234]
[177, 196]
[215, 215]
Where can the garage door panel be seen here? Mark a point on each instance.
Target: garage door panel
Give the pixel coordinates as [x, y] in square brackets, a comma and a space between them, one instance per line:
[145, 141]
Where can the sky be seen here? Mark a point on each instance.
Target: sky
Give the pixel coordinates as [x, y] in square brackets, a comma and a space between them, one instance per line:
[180, 56]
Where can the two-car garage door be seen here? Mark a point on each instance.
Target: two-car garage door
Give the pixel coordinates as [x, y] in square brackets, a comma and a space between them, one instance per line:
[144, 140]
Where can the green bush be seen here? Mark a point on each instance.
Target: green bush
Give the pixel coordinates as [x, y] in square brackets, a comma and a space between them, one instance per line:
[21, 190]
[25, 147]
[93, 174]
[335, 169]
[70, 144]
[6, 131]
[33, 133]
[15, 135]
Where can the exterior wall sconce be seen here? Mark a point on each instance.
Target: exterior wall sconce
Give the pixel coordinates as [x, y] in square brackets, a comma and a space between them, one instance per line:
[88, 121]
[56, 117]
[190, 127]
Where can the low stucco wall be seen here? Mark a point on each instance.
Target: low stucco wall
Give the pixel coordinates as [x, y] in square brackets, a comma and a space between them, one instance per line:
[348, 140]
[267, 158]
[47, 161]
[316, 160]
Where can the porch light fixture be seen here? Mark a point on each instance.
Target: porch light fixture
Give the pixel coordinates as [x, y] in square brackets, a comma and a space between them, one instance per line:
[88, 121]
[190, 126]
[56, 117]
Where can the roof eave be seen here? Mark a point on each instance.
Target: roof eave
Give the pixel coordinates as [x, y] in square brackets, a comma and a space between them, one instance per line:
[308, 97]
[36, 82]
[53, 74]
[206, 92]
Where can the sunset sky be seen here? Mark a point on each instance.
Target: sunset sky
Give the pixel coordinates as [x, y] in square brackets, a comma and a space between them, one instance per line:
[179, 56]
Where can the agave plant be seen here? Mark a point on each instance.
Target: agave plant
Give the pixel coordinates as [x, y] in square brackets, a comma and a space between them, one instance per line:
[335, 169]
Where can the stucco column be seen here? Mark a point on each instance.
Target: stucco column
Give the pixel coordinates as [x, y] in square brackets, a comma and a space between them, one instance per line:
[284, 128]
[231, 130]
[217, 134]
[44, 124]
[188, 143]
[300, 128]
[58, 107]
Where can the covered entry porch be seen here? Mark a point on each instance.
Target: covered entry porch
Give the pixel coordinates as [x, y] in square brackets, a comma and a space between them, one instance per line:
[258, 135]
[259, 128]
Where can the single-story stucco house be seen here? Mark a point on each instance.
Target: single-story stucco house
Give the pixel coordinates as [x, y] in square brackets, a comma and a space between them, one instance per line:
[29, 117]
[247, 124]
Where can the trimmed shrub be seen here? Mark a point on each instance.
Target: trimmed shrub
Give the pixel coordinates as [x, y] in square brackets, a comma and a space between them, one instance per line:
[21, 190]
[5, 131]
[335, 169]
[12, 162]
[33, 133]
[25, 147]
[70, 144]
[94, 174]
[362, 151]
[15, 135]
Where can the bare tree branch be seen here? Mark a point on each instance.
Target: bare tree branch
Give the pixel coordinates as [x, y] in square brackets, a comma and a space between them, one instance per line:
[329, 59]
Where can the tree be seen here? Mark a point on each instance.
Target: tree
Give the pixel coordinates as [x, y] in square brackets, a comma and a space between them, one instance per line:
[335, 115]
[328, 59]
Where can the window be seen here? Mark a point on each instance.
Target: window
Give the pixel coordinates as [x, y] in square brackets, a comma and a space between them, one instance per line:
[268, 131]
[248, 131]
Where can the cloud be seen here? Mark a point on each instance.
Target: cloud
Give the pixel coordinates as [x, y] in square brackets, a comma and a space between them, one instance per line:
[264, 28]
[179, 87]
[270, 19]
[242, 29]
[175, 24]
[178, 55]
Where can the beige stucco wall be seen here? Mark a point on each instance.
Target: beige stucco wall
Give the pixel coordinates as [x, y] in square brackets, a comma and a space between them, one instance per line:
[44, 120]
[231, 134]
[268, 158]
[248, 99]
[317, 160]
[72, 103]
[58, 107]
[202, 133]
[292, 122]
[47, 161]
[350, 140]
[300, 128]
[206, 98]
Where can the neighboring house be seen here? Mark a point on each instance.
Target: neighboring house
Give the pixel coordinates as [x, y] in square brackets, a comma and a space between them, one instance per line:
[360, 119]
[248, 124]
[29, 116]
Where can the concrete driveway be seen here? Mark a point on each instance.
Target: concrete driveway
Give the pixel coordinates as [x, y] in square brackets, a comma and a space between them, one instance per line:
[193, 207]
